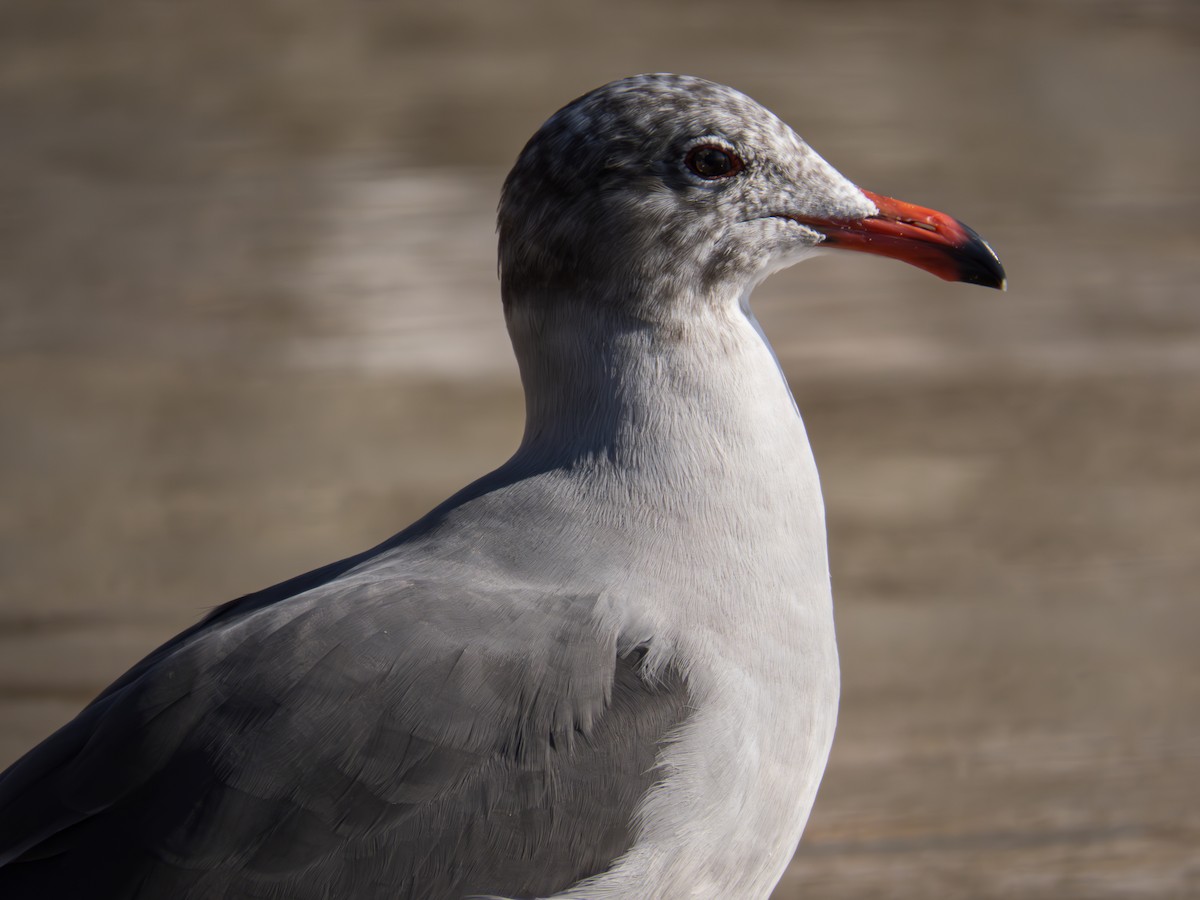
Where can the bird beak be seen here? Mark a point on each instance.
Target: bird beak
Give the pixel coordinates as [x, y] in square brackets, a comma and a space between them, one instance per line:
[925, 238]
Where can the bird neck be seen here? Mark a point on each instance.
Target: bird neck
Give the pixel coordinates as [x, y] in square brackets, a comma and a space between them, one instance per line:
[603, 386]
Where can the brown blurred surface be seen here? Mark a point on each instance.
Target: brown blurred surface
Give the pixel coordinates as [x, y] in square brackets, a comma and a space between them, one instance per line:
[248, 324]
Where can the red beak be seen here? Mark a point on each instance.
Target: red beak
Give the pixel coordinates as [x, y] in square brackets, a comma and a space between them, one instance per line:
[925, 238]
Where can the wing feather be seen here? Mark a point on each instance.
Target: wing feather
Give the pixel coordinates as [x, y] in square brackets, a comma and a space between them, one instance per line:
[368, 737]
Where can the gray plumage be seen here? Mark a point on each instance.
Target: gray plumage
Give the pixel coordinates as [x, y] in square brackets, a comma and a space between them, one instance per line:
[605, 670]
[365, 736]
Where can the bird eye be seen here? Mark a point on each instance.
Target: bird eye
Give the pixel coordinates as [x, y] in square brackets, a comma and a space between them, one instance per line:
[712, 162]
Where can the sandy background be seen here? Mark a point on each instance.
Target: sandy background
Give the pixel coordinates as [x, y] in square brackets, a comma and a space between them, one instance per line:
[249, 324]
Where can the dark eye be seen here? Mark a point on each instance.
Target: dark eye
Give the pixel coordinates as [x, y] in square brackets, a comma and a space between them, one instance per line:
[711, 162]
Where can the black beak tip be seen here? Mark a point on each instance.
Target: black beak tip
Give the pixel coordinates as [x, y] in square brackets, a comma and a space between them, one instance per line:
[978, 263]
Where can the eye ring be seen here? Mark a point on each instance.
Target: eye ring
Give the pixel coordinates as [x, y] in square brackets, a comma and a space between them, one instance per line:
[713, 162]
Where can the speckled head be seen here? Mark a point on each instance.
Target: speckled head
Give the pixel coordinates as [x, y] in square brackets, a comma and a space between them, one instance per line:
[660, 190]
[603, 201]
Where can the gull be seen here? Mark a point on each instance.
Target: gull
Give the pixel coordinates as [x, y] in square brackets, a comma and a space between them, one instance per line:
[605, 670]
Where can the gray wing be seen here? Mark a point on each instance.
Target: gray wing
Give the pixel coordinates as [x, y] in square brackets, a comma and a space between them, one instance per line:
[364, 739]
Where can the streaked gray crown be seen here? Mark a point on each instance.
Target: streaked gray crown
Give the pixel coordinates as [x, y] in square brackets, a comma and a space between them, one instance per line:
[601, 206]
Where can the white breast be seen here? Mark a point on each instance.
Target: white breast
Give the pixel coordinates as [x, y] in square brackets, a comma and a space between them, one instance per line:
[731, 579]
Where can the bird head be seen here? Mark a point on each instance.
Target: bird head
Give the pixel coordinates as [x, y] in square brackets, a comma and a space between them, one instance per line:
[660, 189]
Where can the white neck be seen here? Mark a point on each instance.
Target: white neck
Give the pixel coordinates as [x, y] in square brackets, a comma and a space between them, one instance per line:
[602, 384]
[685, 451]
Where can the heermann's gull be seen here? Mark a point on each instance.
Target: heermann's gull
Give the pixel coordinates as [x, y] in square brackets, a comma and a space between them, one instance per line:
[608, 668]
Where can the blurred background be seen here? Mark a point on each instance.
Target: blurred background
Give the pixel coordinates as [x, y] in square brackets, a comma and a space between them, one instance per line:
[249, 323]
